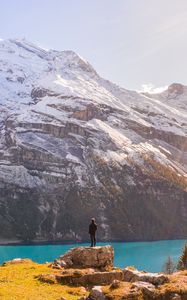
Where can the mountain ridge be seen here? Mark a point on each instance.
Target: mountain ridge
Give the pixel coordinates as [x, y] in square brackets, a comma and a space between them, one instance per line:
[74, 145]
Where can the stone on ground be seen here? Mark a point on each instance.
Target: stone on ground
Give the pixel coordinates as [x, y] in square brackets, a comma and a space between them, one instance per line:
[176, 297]
[115, 284]
[96, 293]
[17, 261]
[132, 275]
[147, 288]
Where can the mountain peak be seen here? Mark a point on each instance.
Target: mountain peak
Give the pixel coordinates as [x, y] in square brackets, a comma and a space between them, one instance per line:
[64, 59]
[176, 88]
[71, 58]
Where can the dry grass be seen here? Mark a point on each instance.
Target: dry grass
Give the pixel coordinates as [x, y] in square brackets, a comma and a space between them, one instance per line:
[19, 282]
[177, 284]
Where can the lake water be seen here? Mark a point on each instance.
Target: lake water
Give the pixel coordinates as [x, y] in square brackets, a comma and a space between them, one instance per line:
[149, 256]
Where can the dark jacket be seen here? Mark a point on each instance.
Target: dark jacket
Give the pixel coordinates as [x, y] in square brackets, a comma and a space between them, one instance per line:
[92, 228]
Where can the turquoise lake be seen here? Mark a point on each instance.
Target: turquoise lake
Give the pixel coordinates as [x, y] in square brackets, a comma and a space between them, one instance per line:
[149, 256]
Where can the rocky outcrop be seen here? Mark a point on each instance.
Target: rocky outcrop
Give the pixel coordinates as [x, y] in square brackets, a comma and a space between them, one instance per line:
[117, 284]
[85, 266]
[88, 257]
[90, 278]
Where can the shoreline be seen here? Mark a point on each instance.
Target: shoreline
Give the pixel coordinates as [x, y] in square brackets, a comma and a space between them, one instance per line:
[67, 242]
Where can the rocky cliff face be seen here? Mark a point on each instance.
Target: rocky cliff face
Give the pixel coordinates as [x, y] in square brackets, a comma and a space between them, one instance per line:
[74, 145]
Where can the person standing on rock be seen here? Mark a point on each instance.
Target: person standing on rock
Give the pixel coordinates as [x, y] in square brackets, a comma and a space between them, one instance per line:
[92, 232]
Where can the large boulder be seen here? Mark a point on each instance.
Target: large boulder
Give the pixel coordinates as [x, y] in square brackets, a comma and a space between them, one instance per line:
[95, 278]
[133, 275]
[96, 294]
[88, 257]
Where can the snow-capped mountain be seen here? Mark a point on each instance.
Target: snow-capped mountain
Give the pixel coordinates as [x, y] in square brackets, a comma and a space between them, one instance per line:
[74, 145]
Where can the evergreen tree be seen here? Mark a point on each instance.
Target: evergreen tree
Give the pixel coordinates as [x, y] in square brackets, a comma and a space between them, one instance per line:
[169, 266]
[182, 263]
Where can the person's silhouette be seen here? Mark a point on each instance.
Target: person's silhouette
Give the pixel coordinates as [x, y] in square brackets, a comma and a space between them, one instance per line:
[92, 232]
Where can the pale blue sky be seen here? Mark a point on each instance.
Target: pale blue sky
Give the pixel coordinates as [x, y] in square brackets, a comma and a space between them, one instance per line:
[131, 42]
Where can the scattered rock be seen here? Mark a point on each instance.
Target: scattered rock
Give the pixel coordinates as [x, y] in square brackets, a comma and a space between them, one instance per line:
[176, 297]
[85, 257]
[115, 284]
[47, 278]
[132, 275]
[17, 261]
[83, 290]
[147, 288]
[96, 293]
[63, 264]
[56, 265]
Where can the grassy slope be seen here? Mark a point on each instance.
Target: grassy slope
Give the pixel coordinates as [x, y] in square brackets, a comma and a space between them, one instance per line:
[19, 282]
